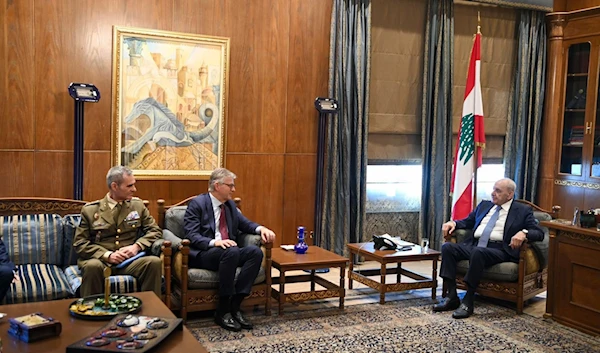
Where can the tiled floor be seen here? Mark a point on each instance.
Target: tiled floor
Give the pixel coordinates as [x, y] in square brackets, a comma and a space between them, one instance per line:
[536, 307]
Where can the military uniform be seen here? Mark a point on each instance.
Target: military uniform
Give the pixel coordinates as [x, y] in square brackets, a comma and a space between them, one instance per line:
[104, 230]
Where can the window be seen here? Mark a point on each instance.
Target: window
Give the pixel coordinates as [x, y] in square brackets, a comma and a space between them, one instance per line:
[397, 188]
[394, 188]
[487, 175]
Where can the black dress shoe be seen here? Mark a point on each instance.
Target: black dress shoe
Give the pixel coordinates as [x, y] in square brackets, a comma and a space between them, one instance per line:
[447, 304]
[227, 322]
[463, 311]
[241, 319]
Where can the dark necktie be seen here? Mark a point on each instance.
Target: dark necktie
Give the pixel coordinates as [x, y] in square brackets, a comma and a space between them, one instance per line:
[117, 212]
[487, 231]
[223, 224]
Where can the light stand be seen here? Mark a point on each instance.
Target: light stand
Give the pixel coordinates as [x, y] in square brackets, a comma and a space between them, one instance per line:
[81, 92]
[326, 107]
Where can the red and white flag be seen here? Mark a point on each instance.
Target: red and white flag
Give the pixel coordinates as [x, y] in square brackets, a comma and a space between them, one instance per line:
[470, 136]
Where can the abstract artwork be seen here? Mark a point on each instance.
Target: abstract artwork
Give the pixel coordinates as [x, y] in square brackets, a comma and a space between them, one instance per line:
[169, 102]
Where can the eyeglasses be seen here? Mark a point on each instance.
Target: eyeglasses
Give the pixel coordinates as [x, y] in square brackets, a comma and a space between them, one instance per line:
[231, 186]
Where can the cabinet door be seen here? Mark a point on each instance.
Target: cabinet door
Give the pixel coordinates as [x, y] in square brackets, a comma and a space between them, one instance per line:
[594, 124]
[574, 122]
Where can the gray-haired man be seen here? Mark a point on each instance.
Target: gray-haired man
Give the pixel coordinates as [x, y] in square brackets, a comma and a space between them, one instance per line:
[212, 223]
[113, 230]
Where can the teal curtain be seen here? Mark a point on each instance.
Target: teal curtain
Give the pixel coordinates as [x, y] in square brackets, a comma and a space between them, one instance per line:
[343, 215]
[523, 135]
[436, 128]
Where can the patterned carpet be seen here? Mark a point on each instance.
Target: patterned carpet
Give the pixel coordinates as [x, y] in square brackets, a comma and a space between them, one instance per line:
[406, 325]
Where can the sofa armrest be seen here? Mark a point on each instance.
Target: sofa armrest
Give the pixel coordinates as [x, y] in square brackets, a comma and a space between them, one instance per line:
[460, 235]
[248, 239]
[174, 239]
[540, 248]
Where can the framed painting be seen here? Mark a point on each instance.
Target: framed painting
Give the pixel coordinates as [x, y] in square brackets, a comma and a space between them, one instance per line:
[169, 103]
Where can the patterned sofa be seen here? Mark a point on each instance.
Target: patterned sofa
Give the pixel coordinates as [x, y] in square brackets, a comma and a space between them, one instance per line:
[38, 234]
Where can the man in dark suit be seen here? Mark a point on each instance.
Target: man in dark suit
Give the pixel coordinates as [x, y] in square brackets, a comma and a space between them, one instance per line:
[212, 223]
[500, 227]
[8, 272]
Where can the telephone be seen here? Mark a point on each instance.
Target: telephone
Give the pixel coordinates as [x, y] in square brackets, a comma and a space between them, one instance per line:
[386, 242]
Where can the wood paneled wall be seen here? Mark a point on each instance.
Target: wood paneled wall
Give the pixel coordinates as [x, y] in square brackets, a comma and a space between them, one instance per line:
[279, 64]
[572, 5]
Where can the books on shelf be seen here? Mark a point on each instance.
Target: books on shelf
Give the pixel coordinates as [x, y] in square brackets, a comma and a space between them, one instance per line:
[576, 135]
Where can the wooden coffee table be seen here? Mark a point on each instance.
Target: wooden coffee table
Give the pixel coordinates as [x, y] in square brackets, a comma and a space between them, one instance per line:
[74, 329]
[391, 256]
[315, 258]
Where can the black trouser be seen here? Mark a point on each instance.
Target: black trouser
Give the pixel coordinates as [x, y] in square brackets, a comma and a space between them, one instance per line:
[6, 278]
[226, 261]
[479, 259]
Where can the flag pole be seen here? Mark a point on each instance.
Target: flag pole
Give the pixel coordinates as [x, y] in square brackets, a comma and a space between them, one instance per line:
[476, 154]
[471, 137]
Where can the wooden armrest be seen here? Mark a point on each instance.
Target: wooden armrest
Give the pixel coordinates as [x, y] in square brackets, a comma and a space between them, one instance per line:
[167, 253]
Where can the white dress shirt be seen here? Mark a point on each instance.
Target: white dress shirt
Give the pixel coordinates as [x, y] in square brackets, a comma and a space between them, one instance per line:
[216, 205]
[498, 231]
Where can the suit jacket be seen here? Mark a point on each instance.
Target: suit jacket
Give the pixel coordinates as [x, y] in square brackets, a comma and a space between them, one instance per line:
[4, 258]
[199, 223]
[519, 217]
[98, 231]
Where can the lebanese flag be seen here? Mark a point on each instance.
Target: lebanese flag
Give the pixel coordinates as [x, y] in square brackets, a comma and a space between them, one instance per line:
[470, 136]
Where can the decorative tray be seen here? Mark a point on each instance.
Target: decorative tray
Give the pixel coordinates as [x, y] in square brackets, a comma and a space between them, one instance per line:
[92, 307]
[126, 333]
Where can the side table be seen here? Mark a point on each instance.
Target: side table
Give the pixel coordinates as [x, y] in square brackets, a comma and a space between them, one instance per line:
[315, 258]
[392, 256]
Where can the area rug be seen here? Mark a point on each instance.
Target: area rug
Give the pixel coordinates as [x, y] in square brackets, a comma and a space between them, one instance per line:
[406, 325]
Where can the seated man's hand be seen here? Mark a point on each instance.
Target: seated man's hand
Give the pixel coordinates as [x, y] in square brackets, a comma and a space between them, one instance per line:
[116, 258]
[130, 251]
[517, 240]
[267, 235]
[16, 277]
[447, 229]
[227, 243]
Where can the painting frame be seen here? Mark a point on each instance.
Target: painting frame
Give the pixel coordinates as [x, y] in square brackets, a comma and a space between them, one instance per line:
[169, 106]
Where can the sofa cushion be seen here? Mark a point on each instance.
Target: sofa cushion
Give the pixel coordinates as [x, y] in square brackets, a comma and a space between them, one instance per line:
[541, 247]
[502, 272]
[175, 240]
[174, 220]
[39, 282]
[70, 224]
[205, 279]
[118, 284]
[33, 239]
[541, 216]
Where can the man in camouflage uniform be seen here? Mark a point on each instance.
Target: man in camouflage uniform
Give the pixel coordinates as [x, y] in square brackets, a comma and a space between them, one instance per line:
[113, 230]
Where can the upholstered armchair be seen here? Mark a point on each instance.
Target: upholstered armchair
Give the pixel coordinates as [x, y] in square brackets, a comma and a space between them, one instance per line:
[515, 282]
[197, 289]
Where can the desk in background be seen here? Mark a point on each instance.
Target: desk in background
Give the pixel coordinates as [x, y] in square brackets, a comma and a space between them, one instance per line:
[574, 276]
